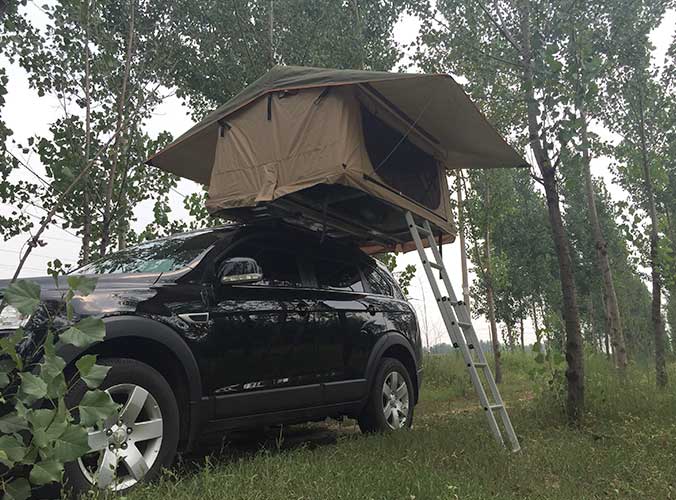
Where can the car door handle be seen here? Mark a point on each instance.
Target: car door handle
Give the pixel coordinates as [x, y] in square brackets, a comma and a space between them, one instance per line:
[371, 309]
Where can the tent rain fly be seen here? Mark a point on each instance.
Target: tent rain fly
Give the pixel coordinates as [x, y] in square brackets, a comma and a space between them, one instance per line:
[346, 152]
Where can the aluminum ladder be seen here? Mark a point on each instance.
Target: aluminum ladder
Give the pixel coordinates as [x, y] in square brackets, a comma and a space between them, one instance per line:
[458, 323]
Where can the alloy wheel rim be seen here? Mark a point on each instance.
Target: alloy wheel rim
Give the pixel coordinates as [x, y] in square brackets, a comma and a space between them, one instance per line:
[126, 446]
[395, 400]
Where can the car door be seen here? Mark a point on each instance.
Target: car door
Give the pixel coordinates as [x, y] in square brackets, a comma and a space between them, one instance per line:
[258, 331]
[340, 316]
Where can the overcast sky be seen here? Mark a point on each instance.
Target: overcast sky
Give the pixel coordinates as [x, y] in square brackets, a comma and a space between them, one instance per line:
[29, 115]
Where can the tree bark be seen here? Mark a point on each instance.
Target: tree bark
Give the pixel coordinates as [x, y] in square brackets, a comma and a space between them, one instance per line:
[271, 33]
[490, 302]
[119, 141]
[87, 223]
[535, 322]
[658, 325]
[611, 309]
[574, 352]
[461, 235]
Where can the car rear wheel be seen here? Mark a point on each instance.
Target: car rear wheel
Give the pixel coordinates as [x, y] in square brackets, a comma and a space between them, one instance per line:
[390, 403]
[134, 444]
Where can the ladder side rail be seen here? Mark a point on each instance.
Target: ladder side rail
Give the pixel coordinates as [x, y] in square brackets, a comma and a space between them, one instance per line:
[448, 311]
[473, 339]
[449, 318]
[484, 401]
[461, 312]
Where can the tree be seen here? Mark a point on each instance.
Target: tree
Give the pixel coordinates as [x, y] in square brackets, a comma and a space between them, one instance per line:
[16, 193]
[584, 65]
[524, 40]
[95, 151]
[638, 114]
[226, 45]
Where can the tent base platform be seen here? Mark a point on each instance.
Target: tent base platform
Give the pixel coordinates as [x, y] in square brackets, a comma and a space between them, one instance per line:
[341, 213]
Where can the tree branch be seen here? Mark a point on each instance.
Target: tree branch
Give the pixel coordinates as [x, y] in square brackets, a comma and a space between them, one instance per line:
[502, 28]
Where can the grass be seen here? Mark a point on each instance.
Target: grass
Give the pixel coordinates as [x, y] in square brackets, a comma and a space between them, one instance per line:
[624, 448]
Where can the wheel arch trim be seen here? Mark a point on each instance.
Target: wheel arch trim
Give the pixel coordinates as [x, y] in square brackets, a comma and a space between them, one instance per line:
[388, 340]
[147, 329]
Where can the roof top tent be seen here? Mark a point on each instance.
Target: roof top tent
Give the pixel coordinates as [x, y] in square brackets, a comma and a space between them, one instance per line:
[341, 151]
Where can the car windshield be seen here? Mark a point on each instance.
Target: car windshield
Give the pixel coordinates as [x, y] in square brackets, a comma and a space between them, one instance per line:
[159, 256]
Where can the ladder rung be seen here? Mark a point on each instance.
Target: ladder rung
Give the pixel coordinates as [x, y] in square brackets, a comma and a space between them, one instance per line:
[421, 229]
[460, 338]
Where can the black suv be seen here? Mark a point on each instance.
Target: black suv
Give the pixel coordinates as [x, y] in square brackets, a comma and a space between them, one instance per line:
[235, 327]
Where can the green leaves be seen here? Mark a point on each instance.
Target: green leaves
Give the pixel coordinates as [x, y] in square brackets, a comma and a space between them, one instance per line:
[11, 423]
[41, 437]
[46, 471]
[13, 448]
[71, 444]
[83, 284]
[8, 347]
[24, 295]
[85, 332]
[18, 489]
[91, 373]
[96, 406]
[32, 386]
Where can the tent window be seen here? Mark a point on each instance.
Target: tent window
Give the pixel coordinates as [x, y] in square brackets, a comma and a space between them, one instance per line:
[400, 163]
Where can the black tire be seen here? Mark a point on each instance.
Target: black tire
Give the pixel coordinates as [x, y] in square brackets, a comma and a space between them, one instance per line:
[131, 372]
[373, 417]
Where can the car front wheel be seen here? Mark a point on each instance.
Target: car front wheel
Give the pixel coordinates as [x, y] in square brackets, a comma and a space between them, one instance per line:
[134, 444]
[390, 403]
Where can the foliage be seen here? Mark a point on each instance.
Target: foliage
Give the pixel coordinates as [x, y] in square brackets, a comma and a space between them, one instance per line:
[228, 47]
[404, 277]
[38, 432]
[628, 427]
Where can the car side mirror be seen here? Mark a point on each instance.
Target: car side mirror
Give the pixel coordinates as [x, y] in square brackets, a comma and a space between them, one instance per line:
[239, 270]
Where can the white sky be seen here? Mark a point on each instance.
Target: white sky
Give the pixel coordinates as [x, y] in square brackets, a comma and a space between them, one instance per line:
[29, 115]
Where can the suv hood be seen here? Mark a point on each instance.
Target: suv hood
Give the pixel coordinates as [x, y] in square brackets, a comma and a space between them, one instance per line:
[104, 281]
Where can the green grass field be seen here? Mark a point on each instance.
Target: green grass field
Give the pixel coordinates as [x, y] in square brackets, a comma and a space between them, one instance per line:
[624, 449]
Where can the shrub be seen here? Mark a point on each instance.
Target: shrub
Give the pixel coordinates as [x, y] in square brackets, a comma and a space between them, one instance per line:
[38, 434]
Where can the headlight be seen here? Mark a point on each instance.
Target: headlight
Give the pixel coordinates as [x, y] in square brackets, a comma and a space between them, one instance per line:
[11, 318]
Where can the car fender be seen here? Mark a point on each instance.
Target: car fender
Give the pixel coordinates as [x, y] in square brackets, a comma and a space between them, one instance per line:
[146, 328]
[384, 343]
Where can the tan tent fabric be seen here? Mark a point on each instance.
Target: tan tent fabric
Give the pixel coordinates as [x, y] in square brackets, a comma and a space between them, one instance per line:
[298, 128]
[310, 139]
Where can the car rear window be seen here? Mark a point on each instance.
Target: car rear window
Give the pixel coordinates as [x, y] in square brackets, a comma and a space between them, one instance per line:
[338, 276]
[377, 281]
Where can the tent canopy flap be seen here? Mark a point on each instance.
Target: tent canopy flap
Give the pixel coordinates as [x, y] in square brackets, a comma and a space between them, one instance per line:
[340, 148]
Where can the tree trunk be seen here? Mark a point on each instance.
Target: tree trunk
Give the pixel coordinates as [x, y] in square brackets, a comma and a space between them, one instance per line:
[87, 223]
[658, 326]
[574, 353]
[535, 322]
[271, 34]
[611, 309]
[511, 341]
[523, 346]
[119, 140]
[490, 299]
[461, 235]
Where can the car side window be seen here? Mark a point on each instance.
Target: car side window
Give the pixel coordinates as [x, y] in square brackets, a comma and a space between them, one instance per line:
[279, 268]
[377, 282]
[396, 290]
[336, 275]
